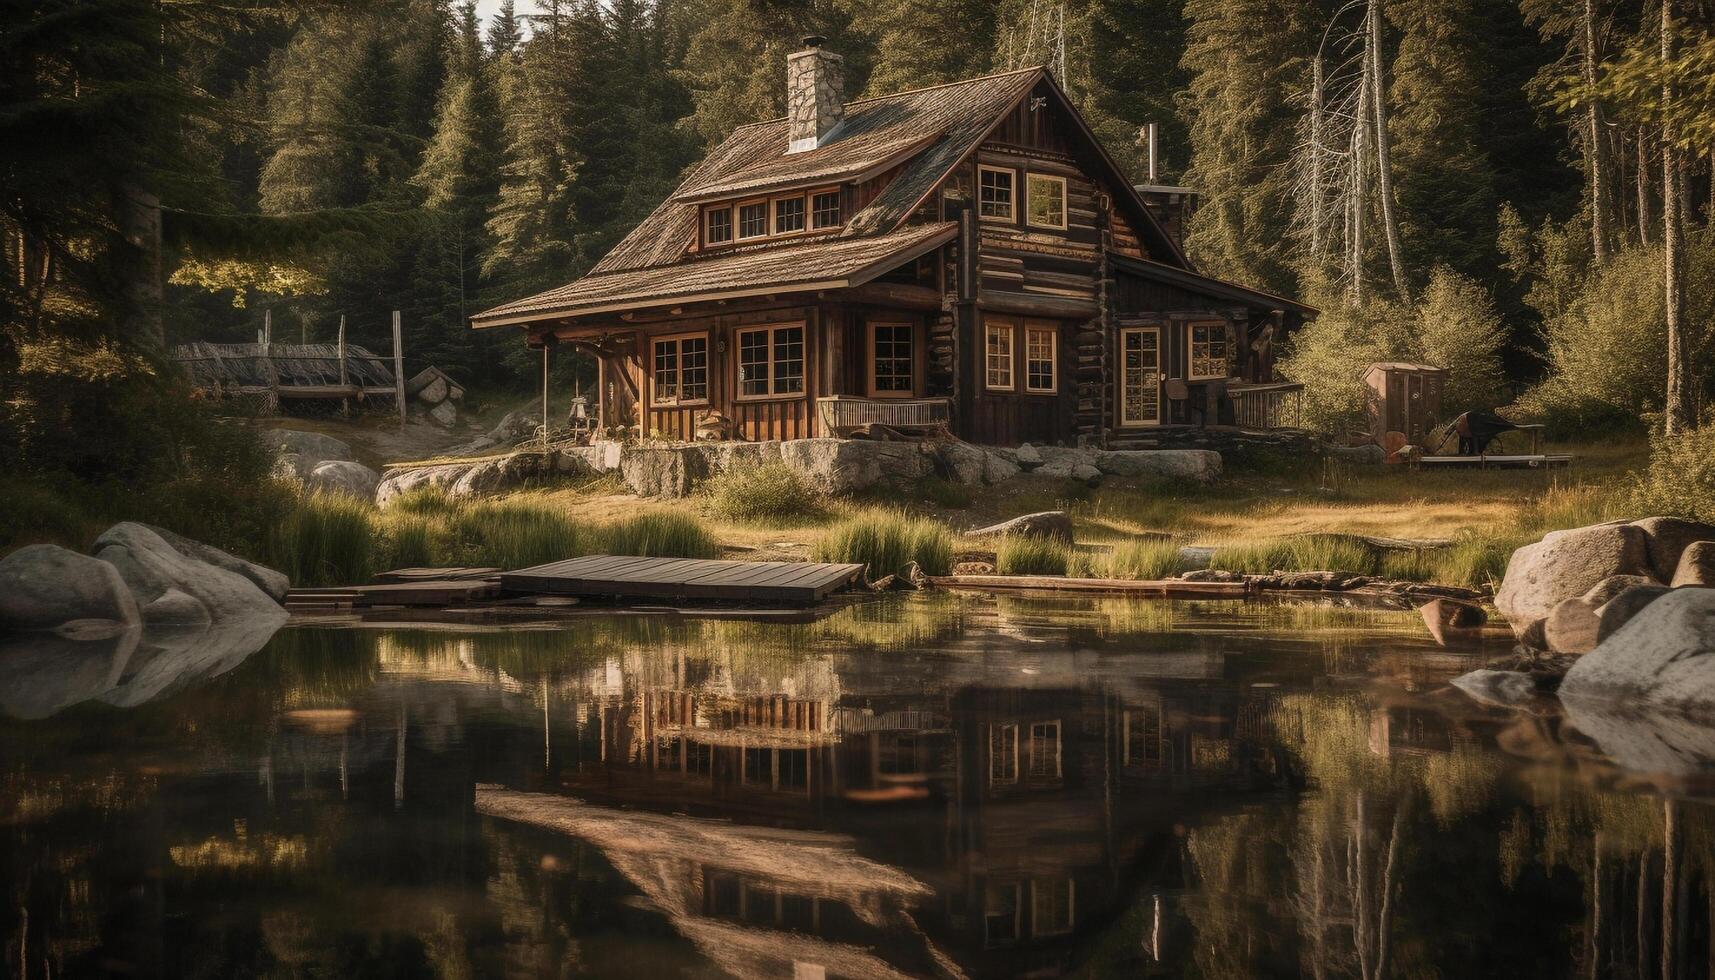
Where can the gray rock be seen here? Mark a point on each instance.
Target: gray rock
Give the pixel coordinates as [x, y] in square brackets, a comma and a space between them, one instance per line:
[1449, 620]
[1696, 565]
[44, 587]
[345, 477]
[847, 466]
[400, 482]
[1665, 656]
[1085, 473]
[1619, 610]
[176, 608]
[670, 472]
[1650, 743]
[504, 474]
[1501, 688]
[276, 584]
[963, 462]
[445, 414]
[1534, 635]
[1197, 465]
[1055, 524]
[974, 568]
[313, 447]
[1667, 538]
[998, 468]
[1027, 457]
[1060, 461]
[1369, 454]
[1566, 564]
[151, 568]
[1571, 626]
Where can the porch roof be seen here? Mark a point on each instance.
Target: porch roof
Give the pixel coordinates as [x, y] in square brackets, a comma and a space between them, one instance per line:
[1209, 285]
[806, 266]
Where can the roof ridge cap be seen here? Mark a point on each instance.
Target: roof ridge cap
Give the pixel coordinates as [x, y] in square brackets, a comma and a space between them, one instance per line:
[961, 81]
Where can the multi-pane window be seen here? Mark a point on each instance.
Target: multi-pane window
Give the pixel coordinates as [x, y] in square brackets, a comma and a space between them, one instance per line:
[1045, 750]
[825, 210]
[1208, 351]
[1051, 906]
[1003, 907]
[1003, 754]
[788, 215]
[998, 355]
[994, 193]
[753, 220]
[1144, 744]
[892, 359]
[719, 228]
[771, 361]
[1045, 201]
[681, 370]
[1041, 357]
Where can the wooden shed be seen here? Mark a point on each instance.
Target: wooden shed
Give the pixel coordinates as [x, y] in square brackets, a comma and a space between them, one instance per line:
[1404, 398]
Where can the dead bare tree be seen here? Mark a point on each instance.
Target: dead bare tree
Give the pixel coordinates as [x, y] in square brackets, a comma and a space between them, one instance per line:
[1677, 414]
[1384, 155]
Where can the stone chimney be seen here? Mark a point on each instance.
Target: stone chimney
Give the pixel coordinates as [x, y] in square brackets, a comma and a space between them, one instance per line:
[815, 94]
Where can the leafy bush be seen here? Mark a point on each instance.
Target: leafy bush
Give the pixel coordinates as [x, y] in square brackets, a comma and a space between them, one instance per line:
[1142, 558]
[659, 534]
[883, 541]
[1019, 555]
[769, 492]
[1680, 478]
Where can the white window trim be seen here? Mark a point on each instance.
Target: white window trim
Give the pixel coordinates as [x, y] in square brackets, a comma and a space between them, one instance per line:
[1064, 204]
[771, 395]
[1190, 341]
[869, 352]
[1012, 196]
[1053, 331]
[1011, 329]
[1006, 778]
[679, 368]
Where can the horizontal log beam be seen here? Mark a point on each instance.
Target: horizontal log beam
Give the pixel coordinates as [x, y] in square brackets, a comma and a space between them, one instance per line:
[1029, 304]
[889, 294]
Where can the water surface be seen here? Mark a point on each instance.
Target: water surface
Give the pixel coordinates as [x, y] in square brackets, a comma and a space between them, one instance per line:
[914, 786]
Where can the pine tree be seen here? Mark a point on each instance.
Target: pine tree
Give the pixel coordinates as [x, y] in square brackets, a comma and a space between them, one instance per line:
[912, 46]
[504, 32]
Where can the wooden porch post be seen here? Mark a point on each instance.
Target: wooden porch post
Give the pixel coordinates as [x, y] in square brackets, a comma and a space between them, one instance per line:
[344, 372]
[399, 366]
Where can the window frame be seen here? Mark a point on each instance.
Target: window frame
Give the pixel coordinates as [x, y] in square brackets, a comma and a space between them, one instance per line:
[770, 329]
[1160, 331]
[1037, 768]
[1191, 329]
[709, 211]
[1007, 732]
[1038, 891]
[1029, 196]
[1053, 332]
[990, 326]
[870, 357]
[1011, 218]
[738, 235]
[839, 207]
[774, 215]
[677, 340]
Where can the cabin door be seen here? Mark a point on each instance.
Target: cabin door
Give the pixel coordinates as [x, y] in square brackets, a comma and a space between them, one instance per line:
[1140, 376]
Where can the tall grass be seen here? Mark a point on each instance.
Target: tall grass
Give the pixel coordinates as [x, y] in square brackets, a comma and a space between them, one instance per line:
[1020, 555]
[883, 541]
[1141, 558]
[328, 539]
[1308, 553]
[771, 492]
[515, 534]
[659, 534]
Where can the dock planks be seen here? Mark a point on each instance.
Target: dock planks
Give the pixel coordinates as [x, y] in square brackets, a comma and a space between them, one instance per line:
[684, 578]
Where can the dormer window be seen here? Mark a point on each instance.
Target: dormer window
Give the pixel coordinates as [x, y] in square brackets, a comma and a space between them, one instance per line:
[752, 220]
[825, 210]
[788, 215]
[779, 216]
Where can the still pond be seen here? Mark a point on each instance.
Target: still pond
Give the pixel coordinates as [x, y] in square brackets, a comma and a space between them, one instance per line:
[917, 786]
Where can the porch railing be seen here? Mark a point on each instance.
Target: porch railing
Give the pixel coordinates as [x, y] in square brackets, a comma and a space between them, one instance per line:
[844, 412]
[1270, 406]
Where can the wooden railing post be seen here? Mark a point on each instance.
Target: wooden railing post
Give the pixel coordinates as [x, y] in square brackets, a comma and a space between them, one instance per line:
[399, 367]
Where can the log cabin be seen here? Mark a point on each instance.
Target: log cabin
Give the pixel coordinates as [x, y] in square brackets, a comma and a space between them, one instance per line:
[965, 255]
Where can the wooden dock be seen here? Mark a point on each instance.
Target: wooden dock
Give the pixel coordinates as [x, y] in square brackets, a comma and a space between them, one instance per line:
[684, 578]
[1495, 462]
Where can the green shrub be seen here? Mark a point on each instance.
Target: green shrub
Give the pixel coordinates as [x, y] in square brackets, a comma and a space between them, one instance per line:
[1020, 555]
[515, 534]
[1307, 553]
[943, 493]
[883, 541]
[1680, 478]
[770, 492]
[327, 539]
[1142, 558]
[659, 534]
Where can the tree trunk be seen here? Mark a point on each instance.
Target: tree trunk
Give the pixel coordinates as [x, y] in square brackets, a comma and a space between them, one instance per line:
[1384, 154]
[1670, 890]
[1643, 188]
[1360, 178]
[1316, 195]
[1597, 164]
[1677, 415]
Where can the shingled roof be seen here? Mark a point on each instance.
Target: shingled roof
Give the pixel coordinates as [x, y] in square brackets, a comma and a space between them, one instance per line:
[924, 132]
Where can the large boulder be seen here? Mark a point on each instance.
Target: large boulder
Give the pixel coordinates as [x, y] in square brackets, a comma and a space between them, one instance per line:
[1666, 539]
[1665, 656]
[1619, 610]
[963, 463]
[1061, 461]
[663, 472]
[400, 482]
[44, 587]
[1450, 620]
[1574, 625]
[1196, 465]
[153, 569]
[312, 446]
[1027, 457]
[847, 466]
[1567, 564]
[1696, 565]
[1053, 524]
[276, 584]
[345, 477]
